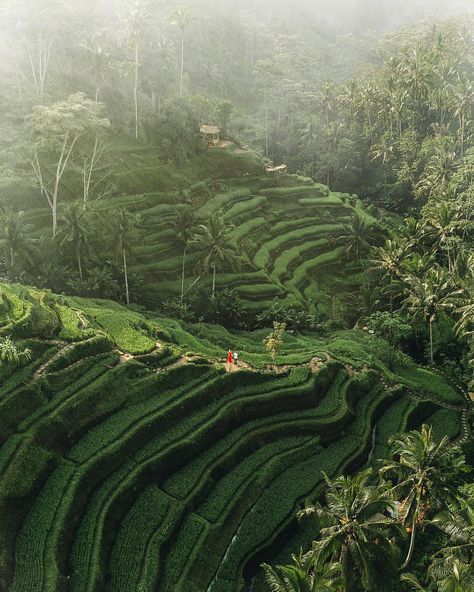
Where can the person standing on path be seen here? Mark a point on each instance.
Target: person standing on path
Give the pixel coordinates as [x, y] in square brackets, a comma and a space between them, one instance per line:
[230, 358]
[236, 358]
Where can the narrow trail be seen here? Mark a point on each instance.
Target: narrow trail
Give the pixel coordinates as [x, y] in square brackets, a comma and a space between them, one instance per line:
[314, 366]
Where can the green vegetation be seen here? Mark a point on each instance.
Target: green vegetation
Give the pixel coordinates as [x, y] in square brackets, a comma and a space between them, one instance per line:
[290, 183]
[236, 452]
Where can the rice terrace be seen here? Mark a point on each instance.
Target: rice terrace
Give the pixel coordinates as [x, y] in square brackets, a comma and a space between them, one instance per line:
[236, 296]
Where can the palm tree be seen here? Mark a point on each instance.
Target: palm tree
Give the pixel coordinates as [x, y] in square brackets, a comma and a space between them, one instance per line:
[181, 18]
[11, 354]
[14, 239]
[428, 295]
[301, 576]
[125, 223]
[75, 230]
[134, 22]
[356, 237]
[440, 226]
[426, 474]
[355, 533]
[452, 567]
[183, 227]
[214, 243]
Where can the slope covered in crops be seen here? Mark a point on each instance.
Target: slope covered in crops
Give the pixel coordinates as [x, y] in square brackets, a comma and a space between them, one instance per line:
[286, 230]
[131, 460]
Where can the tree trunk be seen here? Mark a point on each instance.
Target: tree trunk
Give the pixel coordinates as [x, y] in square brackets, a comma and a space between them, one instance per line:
[12, 257]
[55, 214]
[125, 274]
[431, 340]
[182, 64]
[214, 283]
[266, 122]
[412, 545]
[135, 90]
[182, 276]
[79, 264]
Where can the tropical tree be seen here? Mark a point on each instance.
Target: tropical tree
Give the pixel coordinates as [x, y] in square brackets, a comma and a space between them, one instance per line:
[427, 296]
[356, 237]
[440, 225]
[354, 533]
[303, 576]
[124, 225]
[183, 226]
[15, 241]
[274, 340]
[216, 249]
[181, 18]
[11, 354]
[134, 22]
[76, 231]
[59, 133]
[426, 475]
[452, 567]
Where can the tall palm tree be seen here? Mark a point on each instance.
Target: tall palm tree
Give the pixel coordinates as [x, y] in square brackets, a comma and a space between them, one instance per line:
[75, 230]
[181, 18]
[440, 226]
[302, 576]
[427, 296]
[426, 474]
[356, 237]
[452, 567]
[15, 241]
[183, 226]
[134, 22]
[215, 246]
[125, 223]
[354, 532]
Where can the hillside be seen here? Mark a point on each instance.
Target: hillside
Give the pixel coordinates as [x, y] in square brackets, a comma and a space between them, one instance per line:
[130, 460]
[283, 228]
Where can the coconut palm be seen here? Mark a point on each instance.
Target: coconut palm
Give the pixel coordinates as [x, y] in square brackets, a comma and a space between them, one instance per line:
[452, 567]
[15, 241]
[11, 354]
[302, 576]
[357, 237]
[440, 227]
[426, 474]
[215, 246]
[354, 533]
[75, 230]
[124, 223]
[181, 18]
[183, 226]
[428, 295]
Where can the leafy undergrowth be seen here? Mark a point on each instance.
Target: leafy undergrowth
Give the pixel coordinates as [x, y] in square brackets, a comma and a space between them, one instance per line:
[130, 460]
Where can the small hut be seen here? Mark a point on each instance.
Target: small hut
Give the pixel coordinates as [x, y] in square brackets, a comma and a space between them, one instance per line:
[277, 170]
[211, 133]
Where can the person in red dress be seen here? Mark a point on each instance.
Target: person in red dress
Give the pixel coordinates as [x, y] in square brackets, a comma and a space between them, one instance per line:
[230, 358]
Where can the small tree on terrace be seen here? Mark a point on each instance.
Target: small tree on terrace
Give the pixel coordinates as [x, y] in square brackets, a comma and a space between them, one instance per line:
[356, 237]
[124, 223]
[274, 341]
[183, 227]
[217, 250]
[76, 231]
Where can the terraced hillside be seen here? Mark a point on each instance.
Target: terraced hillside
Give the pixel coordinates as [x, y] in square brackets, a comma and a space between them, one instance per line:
[131, 461]
[283, 229]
